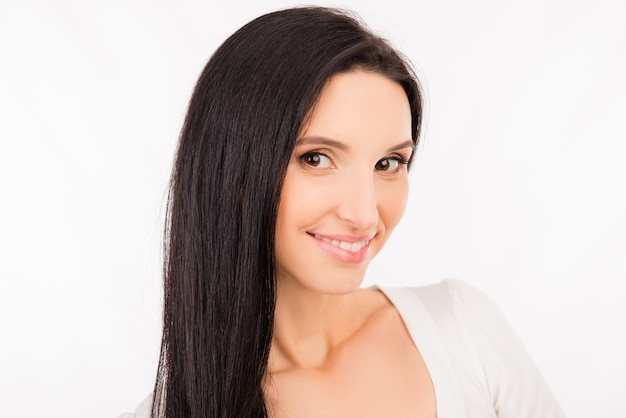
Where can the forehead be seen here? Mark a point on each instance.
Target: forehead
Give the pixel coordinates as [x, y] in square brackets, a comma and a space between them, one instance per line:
[361, 103]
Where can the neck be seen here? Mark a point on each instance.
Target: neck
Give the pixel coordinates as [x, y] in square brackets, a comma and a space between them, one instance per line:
[310, 326]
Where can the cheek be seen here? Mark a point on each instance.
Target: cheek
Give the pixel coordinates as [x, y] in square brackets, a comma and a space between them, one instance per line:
[292, 199]
[392, 200]
[304, 199]
[300, 204]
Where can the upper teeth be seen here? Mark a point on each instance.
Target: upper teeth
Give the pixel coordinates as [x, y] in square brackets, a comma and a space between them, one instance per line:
[344, 245]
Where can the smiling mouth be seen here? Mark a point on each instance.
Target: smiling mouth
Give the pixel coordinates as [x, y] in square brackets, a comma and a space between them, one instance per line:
[353, 247]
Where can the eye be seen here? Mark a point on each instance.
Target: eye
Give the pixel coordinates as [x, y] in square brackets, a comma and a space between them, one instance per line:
[389, 164]
[316, 159]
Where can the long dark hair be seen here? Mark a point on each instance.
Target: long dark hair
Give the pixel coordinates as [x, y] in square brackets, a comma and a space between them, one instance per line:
[246, 112]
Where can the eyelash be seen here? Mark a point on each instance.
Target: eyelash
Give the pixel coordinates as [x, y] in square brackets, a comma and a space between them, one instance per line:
[399, 160]
[303, 158]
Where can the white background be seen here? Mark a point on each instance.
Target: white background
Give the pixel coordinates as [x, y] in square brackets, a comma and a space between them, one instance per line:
[519, 188]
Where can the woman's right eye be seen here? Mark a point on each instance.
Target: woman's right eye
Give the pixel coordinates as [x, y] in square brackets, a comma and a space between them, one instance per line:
[316, 159]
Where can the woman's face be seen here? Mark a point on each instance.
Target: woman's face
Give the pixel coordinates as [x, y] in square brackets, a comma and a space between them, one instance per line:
[346, 184]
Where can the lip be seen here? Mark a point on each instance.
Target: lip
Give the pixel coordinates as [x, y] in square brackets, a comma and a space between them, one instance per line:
[344, 248]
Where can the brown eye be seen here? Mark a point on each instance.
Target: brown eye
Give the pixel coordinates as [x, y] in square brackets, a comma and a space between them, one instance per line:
[316, 159]
[387, 164]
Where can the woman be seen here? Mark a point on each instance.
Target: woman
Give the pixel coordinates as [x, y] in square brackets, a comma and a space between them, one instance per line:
[290, 175]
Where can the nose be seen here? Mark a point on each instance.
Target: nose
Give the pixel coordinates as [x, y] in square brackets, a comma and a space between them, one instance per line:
[358, 205]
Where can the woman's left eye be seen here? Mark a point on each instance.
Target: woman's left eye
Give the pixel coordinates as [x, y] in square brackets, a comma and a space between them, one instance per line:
[389, 164]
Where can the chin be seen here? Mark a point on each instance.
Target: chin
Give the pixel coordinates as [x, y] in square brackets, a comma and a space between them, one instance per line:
[338, 283]
[322, 275]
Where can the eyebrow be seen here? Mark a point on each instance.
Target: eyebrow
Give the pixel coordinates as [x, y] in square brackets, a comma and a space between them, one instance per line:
[406, 144]
[320, 140]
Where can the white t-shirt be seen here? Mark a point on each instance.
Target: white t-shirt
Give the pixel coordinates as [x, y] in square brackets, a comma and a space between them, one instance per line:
[478, 366]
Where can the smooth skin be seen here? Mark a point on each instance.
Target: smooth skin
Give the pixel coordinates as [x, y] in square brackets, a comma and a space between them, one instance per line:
[338, 350]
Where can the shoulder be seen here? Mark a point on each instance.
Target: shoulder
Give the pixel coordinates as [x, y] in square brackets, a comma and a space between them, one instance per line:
[475, 342]
[468, 322]
[444, 301]
[447, 291]
[464, 314]
[142, 411]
